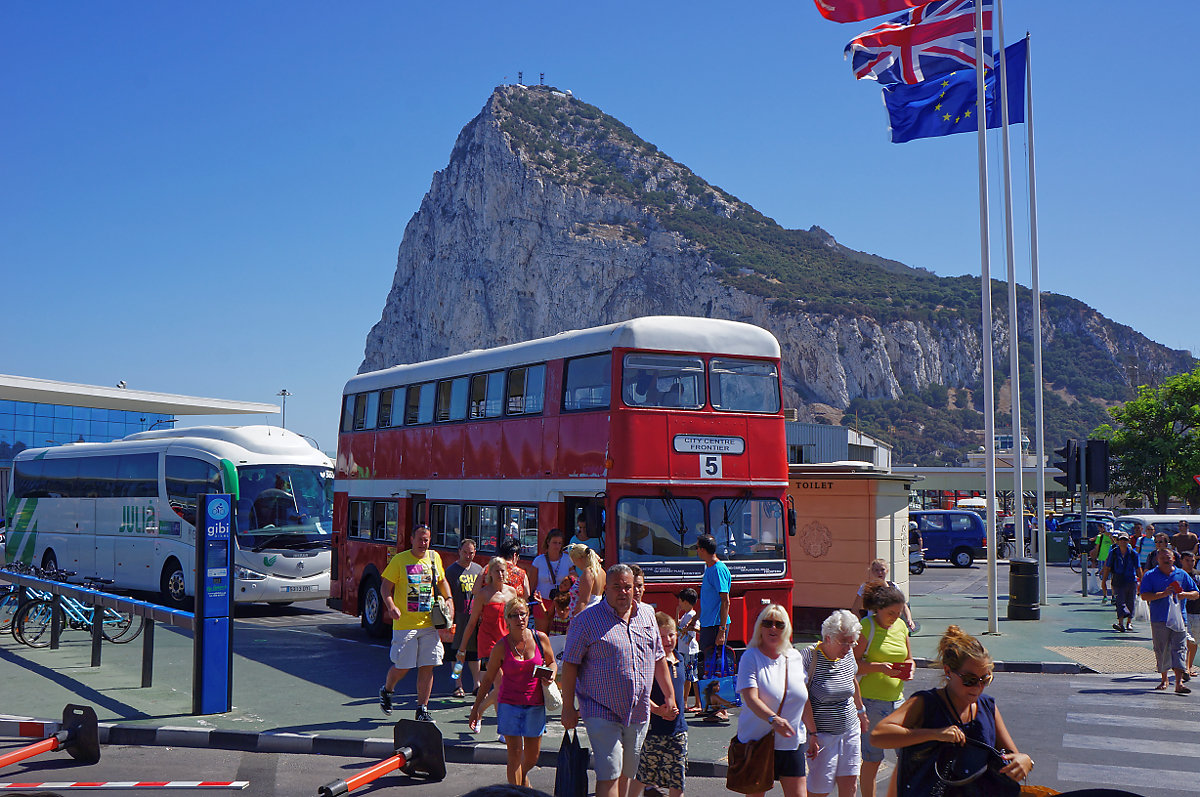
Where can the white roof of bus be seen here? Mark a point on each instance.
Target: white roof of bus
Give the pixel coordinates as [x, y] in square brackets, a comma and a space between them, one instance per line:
[660, 333]
[235, 443]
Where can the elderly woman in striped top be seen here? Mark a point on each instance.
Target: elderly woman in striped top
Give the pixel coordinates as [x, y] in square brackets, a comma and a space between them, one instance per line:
[837, 707]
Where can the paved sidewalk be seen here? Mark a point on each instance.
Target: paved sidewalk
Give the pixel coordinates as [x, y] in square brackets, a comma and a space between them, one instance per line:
[308, 684]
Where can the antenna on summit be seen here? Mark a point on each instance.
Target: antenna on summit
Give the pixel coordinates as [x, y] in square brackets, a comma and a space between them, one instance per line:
[541, 78]
[520, 78]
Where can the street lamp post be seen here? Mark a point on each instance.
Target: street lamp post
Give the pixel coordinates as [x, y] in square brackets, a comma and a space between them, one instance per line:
[284, 393]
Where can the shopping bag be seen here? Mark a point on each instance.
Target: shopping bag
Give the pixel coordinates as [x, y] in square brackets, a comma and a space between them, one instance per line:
[571, 768]
[1175, 615]
[1093, 583]
[718, 687]
[1141, 610]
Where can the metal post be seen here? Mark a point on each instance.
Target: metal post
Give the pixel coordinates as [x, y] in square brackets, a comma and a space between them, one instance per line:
[97, 636]
[1083, 502]
[55, 620]
[985, 268]
[148, 652]
[1038, 411]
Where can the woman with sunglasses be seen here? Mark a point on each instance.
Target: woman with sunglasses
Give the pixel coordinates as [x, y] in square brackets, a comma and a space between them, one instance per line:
[771, 681]
[527, 662]
[957, 711]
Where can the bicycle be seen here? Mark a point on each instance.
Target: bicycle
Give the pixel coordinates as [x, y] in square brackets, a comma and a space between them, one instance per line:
[13, 596]
[32, 622]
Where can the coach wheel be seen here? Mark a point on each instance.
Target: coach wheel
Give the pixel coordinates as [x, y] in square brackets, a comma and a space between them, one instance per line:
[49, 560]
[962, 558]
[373, 620]
[172, 585]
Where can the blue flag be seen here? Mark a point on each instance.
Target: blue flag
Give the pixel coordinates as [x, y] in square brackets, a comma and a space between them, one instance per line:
[946, 104]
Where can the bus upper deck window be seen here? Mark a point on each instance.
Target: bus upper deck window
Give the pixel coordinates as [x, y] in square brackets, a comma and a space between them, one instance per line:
[663, 380]
[743, 385]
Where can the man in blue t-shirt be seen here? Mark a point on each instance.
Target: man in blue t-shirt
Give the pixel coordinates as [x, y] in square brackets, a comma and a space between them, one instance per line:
[714, 597]
[1125, 570]
[1161, 587]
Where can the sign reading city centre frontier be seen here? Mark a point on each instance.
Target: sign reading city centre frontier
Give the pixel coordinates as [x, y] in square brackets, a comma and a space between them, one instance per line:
[708, 444]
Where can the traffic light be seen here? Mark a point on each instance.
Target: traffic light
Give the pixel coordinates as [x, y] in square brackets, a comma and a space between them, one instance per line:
[1097, 466]
[1068, 463]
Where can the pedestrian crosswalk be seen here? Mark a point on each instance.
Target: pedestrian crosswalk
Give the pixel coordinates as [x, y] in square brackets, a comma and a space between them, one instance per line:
[1121, 734]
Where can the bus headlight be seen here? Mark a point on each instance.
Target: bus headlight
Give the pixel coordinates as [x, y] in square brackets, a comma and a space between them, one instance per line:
[248, 575]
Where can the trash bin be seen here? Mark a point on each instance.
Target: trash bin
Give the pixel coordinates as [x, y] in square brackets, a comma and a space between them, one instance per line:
[1023, 590]
[1057, 547]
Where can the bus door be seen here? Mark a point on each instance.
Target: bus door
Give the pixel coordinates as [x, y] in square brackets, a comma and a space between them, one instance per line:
[590, 512]
[416, 502]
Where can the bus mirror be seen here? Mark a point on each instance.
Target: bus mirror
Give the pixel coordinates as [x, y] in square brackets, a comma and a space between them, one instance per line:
[791, 515]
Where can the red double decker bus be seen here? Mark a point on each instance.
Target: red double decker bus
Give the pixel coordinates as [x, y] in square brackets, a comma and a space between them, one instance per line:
[652, 431]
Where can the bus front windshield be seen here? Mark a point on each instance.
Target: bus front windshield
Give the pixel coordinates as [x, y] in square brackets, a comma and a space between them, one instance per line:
[284, 506]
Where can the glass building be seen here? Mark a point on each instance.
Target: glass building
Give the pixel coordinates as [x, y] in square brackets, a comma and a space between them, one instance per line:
[24, 424]
[37, 413]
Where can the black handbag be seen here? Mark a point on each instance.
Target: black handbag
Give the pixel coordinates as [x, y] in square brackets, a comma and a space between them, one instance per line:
[973, 770]
[571, 768]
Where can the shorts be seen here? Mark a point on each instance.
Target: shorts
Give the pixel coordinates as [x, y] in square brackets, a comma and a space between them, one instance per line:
[876, 710]
[1170, 647]
[615, 747]
[524, 721]
[1193, 627]
[663, 760]
[840, 756]
[419, 648]
[789, 763]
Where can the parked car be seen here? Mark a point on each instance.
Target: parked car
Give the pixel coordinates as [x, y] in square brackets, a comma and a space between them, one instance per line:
[957, 536]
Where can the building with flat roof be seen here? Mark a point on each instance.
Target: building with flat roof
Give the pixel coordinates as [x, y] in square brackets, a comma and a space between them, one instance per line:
[35, 413]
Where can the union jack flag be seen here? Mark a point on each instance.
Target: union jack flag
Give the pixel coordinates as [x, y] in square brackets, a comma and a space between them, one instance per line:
[929, 41]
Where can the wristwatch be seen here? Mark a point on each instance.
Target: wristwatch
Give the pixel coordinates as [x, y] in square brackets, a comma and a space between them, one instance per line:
[771, 719]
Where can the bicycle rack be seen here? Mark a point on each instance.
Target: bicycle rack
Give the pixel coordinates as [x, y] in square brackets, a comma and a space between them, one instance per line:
[80, 737]
[418, 748]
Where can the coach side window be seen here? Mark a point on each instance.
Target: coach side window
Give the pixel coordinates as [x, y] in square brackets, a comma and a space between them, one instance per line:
[187, 478]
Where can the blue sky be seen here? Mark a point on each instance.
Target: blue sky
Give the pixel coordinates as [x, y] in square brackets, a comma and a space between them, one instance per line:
[207, 198]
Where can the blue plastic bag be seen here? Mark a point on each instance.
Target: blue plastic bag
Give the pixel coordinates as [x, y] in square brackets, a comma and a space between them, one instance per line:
[718, 687]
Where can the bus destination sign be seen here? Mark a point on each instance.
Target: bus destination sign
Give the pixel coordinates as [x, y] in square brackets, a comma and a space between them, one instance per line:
[708, 444]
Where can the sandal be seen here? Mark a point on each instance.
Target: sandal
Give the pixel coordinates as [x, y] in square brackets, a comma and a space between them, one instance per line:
[459, 693]
[1182, 690]
[1160, 687]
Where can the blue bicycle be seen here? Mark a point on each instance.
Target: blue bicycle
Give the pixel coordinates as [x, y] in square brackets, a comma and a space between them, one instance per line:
[33, 620]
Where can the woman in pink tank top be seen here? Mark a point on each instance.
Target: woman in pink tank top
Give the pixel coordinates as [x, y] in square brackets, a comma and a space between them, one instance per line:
[527, 661]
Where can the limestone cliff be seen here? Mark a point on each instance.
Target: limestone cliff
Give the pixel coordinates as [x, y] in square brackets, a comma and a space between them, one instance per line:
[551, 215]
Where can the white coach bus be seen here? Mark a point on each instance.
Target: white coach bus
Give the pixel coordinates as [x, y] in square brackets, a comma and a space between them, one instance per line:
[126, 510]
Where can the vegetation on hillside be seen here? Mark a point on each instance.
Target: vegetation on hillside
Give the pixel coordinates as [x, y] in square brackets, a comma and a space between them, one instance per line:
[807, 271]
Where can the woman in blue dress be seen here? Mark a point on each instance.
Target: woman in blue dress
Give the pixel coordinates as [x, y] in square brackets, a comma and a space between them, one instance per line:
[957, 711]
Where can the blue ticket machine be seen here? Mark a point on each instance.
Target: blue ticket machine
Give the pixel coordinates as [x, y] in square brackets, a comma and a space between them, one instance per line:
[212, 676]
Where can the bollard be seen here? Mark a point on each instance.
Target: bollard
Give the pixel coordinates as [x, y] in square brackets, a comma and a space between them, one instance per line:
[79, 736]
[419, 750]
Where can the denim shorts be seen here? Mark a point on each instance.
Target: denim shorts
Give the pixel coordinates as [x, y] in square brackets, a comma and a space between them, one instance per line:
[876, 710]
[526, 721]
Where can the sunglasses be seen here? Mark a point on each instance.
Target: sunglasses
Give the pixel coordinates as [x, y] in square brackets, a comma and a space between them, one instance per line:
[776, 624]
[517, 616]
[973, 680]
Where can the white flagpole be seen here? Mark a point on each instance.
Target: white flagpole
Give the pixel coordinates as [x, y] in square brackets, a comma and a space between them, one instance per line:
[1039, 418]
[1013, 331]
[985, 267]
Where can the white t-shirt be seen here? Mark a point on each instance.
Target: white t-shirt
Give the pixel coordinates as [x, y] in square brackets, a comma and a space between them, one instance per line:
[688, 641]
[758, 670]
[550, 574]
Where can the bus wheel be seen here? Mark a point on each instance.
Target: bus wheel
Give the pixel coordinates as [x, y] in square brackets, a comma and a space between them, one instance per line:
[172, 585]
[49, 560]
[373, 620]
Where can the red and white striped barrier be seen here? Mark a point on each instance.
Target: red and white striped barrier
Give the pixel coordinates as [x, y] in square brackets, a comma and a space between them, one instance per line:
[20, 726]
[131, 784]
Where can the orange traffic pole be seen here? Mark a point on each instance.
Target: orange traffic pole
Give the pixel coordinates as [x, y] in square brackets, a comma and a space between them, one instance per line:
[385, 766]
[29, 751]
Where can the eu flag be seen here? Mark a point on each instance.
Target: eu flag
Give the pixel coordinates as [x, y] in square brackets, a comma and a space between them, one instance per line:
[946, 105]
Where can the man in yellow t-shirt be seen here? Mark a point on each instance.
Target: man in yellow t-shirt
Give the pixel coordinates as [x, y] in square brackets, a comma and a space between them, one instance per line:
[409, 582]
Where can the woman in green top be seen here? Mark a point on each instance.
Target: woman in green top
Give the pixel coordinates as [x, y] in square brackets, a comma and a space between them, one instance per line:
[884, 663]
[1099, 554]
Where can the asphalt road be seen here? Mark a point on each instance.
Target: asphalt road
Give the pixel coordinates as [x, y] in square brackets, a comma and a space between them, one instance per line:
[1083, 730]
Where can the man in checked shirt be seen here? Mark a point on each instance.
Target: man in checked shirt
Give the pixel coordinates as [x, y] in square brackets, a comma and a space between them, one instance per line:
[613, 652]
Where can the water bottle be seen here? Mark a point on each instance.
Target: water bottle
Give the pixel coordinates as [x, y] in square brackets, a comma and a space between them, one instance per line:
[456, 673]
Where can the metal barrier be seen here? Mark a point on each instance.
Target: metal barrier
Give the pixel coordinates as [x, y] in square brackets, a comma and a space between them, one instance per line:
[151, 612]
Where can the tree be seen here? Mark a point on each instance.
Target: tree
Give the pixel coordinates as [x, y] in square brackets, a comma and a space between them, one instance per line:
[1155, 442]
